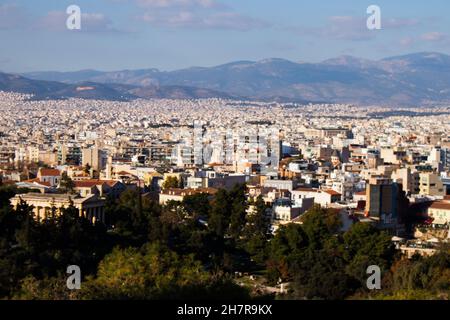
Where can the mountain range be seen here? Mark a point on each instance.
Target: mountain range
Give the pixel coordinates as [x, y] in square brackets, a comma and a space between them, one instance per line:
[46, 90]
[409, 80]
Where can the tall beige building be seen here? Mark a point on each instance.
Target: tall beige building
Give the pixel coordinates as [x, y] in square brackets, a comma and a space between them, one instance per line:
[94, 157]
[431, 184]
[393, 155]
[408, 179]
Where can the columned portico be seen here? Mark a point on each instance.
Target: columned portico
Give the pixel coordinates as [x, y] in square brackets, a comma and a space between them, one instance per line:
[91, 208]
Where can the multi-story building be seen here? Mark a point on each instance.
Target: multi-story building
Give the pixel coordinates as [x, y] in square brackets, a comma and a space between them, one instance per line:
[440, 212]
[94, 157]
[431, 184]
[323, 198]
[382, 202]
[69, 153]
[408, 179]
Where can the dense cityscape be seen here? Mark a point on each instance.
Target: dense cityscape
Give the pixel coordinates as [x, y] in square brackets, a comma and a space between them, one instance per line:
[170, 198]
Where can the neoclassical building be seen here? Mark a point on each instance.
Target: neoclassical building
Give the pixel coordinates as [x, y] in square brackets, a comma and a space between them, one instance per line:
[91, 207]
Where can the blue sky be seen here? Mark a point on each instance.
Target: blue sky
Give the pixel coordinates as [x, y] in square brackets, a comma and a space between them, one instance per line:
[172, 34]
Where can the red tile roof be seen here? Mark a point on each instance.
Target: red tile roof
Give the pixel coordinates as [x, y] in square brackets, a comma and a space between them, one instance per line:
[88, 183]
[440, 205]
[306, 189]
[111, 183]
[332, 192]
[94, 182]
[49, 172]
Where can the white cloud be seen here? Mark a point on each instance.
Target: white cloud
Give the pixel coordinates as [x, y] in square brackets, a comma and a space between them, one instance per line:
[434, 36]
[397, 23]
[195, 14]
[178, 3]
[90, 22]
[352, 28]
[339, 28]
[196, 20]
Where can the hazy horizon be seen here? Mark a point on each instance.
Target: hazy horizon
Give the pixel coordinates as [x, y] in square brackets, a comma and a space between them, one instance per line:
[299, 61]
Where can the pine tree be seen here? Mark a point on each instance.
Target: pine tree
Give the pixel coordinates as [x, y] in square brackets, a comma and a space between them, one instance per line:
[238, 211]
[257, 231]
[219, 219]
[67, 185]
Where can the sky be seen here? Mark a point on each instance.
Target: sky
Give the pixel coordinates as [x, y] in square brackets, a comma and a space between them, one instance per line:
[175, 34]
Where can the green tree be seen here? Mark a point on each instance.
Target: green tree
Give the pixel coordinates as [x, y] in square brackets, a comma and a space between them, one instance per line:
[171, 183]
[54, 288]
[219, 218]
[258, 222]
[197, 205]
[364, 246]
[155, 272]
[66, 184]
[288, 246]
[320, 275]
[6, 193]
[238, 211]
[320, 224]
[257, 231]
[133, 225]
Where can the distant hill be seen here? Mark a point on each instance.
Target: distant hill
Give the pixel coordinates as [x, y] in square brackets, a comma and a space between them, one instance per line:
[415, 79]
[16, 83]
[178, 92]
[43, 89]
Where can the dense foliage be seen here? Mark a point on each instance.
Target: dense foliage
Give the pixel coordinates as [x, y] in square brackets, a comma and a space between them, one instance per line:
[192, 249]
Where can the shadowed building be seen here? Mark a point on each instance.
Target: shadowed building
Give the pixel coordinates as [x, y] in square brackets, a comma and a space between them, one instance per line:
[90, 207]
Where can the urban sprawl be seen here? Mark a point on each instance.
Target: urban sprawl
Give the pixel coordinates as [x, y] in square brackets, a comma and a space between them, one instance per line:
[388, 167]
